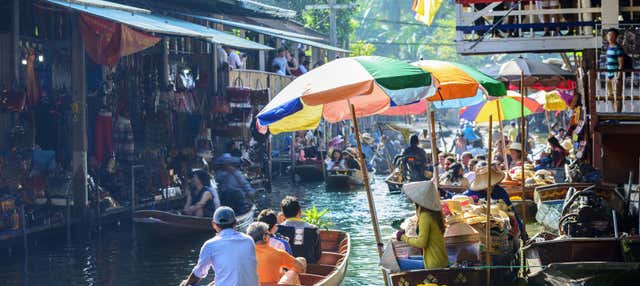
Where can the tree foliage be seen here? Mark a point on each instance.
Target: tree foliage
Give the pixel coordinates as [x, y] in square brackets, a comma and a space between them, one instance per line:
[361, 48]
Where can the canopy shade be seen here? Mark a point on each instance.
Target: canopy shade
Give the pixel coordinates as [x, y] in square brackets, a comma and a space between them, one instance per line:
[505, 108]
[371, 84]
[298, 38]
[152, 23]
[455, 81]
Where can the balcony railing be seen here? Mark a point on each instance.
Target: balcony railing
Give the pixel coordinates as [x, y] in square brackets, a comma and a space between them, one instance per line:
[514, 27]
[256, 79]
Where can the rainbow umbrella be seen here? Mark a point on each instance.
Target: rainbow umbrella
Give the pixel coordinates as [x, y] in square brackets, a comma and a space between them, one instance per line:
[455, 86]
[371, 84]
[505, 108]
[456, 81]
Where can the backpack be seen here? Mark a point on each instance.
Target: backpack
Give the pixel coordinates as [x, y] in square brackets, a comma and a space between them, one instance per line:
[304, 242]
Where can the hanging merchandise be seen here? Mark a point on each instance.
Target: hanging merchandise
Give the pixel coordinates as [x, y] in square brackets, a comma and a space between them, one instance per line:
[204, 145]
[220, 104]
[33, 86]
[123, 139]
[238, 93]
[260, 95]
[106, 42]
[631, 41]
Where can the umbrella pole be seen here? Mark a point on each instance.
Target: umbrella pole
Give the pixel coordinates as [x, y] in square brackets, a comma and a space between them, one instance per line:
[524, 151]
[504, 144]
[367, 188]
[434, 150]
[487, 229]
[546, 116]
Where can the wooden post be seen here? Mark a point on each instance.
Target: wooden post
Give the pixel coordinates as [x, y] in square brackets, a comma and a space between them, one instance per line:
[504, 145]
[165, 62]
[15, 40]
[434, 150]
[79, 120]
[524, 150]
[367, 188]
[262, 55]
[546, 116]
[487, 228]
[216, 77]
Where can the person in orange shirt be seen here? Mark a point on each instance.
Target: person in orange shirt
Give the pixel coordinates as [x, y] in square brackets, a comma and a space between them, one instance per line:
[272, 261]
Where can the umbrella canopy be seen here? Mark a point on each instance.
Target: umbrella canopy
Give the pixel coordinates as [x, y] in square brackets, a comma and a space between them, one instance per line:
[371, 84]
[455, 81]
[505, 108]
[535, 73]
[550, 101]
[419, 107]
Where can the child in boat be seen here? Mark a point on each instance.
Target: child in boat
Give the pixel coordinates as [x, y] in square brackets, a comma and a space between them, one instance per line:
[430, 228]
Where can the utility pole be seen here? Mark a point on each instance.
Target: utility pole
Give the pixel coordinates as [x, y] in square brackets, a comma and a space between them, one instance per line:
[333, 30]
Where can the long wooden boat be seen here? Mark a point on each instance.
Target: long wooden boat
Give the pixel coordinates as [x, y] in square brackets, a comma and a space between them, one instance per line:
[584, 261]
[347, 180]
[166, 225]
[332, 265]
[394, 187]
[309, 172]
[459, 276]
[550, 199]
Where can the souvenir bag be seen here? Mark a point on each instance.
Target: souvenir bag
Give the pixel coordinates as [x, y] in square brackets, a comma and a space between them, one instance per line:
[260, 95]
[238, 93]
[631, 41]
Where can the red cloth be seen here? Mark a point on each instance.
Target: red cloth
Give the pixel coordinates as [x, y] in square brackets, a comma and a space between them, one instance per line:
[106, 42]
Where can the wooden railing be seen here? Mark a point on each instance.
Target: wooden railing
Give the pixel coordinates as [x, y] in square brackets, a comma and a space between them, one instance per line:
[259, 79]
[630, 94]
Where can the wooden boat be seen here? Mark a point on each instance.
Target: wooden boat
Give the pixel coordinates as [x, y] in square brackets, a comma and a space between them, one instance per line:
[471, 276]
[168, 225]
[332, 266]
[344, 180]
[550, 199]
[394, 186]
[309, 171]
[584, 261]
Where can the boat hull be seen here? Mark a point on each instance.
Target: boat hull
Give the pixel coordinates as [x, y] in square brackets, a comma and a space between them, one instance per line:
[394, 187]
[584, 261]
[166, 226]
[350, 181]
[309, 172]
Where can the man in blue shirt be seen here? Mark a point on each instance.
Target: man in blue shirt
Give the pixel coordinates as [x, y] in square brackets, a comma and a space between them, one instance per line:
[615, 61]
[231, 254]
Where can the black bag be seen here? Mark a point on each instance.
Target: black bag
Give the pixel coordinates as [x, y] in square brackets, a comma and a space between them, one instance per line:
[305, 242]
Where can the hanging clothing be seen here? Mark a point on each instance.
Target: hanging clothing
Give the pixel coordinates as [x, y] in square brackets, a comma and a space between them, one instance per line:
[103, 137]
[33, 86]
[123, 140]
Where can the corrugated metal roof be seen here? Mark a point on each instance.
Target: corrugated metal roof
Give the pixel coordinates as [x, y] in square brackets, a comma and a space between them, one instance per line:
[162, 25]
[298, 38]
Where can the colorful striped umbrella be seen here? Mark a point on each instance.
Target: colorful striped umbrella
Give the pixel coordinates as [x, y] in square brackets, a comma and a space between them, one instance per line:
[371, 84]
[456, 81]
[505, 108]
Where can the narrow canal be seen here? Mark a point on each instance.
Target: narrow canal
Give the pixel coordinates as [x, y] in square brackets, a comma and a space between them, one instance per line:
[115, 257]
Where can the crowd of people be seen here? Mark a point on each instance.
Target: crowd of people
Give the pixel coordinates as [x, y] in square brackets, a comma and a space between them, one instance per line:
[274, 250]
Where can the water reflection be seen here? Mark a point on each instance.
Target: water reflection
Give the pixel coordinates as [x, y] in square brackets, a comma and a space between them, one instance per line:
[115, 257]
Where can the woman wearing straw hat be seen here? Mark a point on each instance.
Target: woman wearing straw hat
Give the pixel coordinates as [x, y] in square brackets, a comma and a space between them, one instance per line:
[430, 228]
[478, 189]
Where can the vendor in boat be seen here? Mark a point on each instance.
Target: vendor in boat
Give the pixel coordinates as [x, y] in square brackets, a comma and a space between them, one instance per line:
[419, 165]
[202, 198]
[478, 189]
[430, 228]
[335, 162]
[515, 153]
[350, 161]
[557, 152]
[234, 190]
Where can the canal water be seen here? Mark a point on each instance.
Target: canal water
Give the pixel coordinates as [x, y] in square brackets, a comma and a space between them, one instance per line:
[114, 256]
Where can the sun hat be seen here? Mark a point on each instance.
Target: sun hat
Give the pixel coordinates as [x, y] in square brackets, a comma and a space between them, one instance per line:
[224, 216]
[515, 146]
[480, 183]
[367, 138]
[424, 194]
